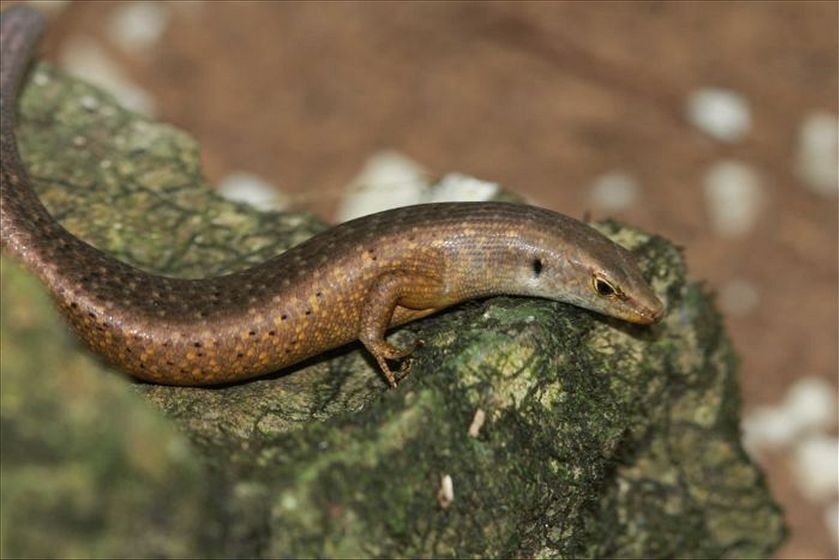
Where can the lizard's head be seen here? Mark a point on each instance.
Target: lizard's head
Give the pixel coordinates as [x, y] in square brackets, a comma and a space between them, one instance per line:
[585, 268]
[618, 289]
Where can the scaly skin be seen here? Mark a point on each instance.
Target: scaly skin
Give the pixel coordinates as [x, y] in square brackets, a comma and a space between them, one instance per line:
[351, 282]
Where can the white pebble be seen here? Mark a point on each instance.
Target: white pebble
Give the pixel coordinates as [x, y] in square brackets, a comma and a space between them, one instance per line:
[817, 468]
[251, 189]
[445, 493]
[41, 78]
[812, 402]
[388, 180]
[614, 192]
[136, 26]
[738, 297]
[722, 114]
[90, 103]
[477, 423]
[809, 407]
[768, 427]
[456, 187]
[818, 144]
[86, 58]
[734, 197]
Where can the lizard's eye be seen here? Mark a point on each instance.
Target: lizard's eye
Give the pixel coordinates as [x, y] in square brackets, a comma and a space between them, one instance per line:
[603, 287]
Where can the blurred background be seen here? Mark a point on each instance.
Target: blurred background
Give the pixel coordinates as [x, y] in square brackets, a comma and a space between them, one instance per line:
[712, 124]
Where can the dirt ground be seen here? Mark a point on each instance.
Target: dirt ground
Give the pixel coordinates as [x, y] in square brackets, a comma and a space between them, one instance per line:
[543, 98]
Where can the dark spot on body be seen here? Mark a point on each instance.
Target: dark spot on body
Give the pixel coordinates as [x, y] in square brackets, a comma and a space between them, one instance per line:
[537, 266]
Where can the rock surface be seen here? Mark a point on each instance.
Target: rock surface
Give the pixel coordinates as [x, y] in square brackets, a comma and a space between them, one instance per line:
[600, 438]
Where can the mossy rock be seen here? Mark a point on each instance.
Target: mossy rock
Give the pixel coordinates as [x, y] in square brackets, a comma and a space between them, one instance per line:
[599, 438]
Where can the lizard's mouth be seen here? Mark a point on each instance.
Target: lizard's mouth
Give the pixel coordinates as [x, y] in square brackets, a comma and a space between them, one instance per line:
[645, 314]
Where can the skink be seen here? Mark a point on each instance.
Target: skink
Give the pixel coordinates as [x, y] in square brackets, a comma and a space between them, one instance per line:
[351, 282]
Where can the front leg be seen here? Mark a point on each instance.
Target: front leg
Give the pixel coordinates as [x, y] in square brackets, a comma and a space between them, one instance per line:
[408, 290]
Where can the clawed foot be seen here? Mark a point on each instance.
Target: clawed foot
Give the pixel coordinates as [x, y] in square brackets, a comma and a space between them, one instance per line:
[386, 351]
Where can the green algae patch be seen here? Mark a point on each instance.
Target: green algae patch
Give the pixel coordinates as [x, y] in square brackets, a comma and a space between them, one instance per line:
[563, 433]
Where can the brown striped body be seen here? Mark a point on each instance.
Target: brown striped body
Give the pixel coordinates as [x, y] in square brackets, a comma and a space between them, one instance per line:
[351, 282]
